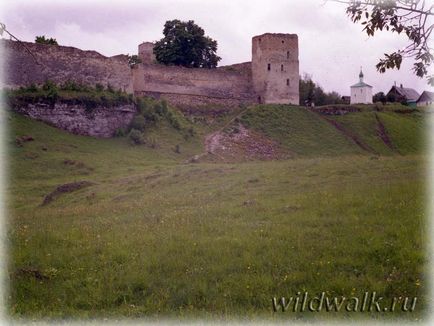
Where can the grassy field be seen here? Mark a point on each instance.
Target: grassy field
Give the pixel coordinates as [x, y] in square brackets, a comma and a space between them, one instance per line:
[154, 236]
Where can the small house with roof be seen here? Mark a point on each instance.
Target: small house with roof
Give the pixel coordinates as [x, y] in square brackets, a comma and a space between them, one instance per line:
[425, 99]
[361, 93]
[403, 95]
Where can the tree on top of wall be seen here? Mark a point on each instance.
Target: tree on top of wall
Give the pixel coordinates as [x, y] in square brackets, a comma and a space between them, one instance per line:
[185, 44]
[43, 40]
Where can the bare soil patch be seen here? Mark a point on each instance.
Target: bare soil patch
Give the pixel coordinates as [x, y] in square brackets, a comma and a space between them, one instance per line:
[237, 143]
[65, 188]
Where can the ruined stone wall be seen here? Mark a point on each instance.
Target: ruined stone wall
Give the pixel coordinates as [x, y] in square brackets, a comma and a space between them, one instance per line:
[60, 64]
[275, 68]
[195, 86]
[98, 122]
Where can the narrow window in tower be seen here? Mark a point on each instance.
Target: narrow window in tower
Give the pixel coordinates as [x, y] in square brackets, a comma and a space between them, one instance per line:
[269, 67]
[283, 41]
[281, 67]
[287, 55]
[287, 82]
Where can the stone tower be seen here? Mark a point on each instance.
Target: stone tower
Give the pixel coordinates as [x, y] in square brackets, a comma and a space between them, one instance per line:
[146, 52]
[275, 68]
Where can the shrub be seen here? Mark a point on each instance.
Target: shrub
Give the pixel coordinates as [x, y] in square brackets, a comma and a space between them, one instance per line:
[32, 88]
[133, 60]
[136, 136]
[43, 40]
[110, 88]
[150, 115]
[120, 132]
[49, 85]
[99, 87]
[52, 95]
[138, 123]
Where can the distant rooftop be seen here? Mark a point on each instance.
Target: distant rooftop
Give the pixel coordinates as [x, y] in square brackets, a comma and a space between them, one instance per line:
[361, 84]
[409, 93]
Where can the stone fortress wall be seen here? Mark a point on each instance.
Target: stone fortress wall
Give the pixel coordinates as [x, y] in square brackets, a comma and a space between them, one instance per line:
[271, 77]
[60, 64]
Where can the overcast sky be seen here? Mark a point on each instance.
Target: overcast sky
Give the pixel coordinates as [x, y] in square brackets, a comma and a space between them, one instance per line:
[331, 47]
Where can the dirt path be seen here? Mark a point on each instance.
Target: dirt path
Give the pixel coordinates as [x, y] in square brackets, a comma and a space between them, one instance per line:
[382, 133]
[213, 140]
[234, 143]
[347, 133]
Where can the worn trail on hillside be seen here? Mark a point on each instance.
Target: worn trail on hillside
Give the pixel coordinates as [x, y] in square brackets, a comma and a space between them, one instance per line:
[348, 134]
[235, 142]
[382, 133]
[212, 141]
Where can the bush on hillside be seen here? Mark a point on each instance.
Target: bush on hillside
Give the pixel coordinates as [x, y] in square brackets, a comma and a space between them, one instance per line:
[69, 92]
[136, 137]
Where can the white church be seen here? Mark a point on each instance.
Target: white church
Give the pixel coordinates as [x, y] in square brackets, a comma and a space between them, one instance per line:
[361, 93]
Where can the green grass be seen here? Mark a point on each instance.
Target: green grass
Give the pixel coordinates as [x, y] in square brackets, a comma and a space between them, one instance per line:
[156, 237]
[307, 134]
[301, 131]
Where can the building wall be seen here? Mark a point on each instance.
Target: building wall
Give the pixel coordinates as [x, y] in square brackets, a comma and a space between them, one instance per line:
[361, 95]
[275, 68]
[60, 64]
[185, 86]
[424, 103]
[229, 85]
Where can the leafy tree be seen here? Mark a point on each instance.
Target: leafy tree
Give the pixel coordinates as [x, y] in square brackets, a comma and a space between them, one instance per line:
[380, 97]
[410, 17]
[133, 60]
[43, 40]
[313, 93]
[185, 44]
[306, 90]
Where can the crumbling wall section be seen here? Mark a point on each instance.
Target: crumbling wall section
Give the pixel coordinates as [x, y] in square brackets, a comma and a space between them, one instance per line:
[60, 64]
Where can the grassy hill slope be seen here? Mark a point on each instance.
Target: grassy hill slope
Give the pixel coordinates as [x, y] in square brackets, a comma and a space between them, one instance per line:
[153, 236]
[307, 133]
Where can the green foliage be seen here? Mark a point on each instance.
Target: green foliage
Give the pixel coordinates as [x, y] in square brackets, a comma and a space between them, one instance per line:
[49, 85]
[74, 86]
[139, 123]
[110, 88]
[313, 93]
[185, 44]
[133, 60]
[69, 92]
[52, 92]
[99, 87]
[411, 18]
[305, 133]
[32, 88]
[120, 132]
[43, 40]
[380, 97]
[136, 137]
